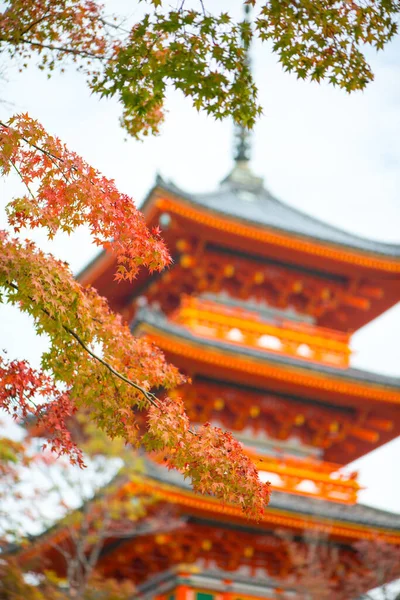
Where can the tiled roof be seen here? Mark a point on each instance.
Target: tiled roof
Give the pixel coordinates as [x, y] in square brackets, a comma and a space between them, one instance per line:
[254, 204]
[352, 513]
[214, 579]
[159, 320]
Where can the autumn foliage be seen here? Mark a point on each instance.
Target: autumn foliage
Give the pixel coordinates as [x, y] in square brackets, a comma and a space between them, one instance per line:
[322, 570]
[63, 562]
[93, 361]
[68, 193]
[196, 50]
[211, 458]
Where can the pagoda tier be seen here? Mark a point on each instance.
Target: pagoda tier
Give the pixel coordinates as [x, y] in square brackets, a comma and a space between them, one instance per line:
[217, 540]
[258, 309]
[339, 413]
[231, 242]
[214, 549]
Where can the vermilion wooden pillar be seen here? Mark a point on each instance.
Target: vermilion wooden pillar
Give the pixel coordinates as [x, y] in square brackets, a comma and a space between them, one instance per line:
[181, 592]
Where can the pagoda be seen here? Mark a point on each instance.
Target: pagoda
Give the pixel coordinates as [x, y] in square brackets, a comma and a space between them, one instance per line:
[258, 309]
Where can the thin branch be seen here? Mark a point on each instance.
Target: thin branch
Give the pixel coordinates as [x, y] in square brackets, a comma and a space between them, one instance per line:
[22, 179]
[148, 395]
[61, 49]
[49, 154]
[32, 25]
[66, 555]
[151, 398]
[53, 157]
[116, 26]
[203, 8]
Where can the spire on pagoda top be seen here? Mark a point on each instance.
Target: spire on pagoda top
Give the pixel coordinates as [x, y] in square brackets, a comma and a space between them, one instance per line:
[242, 144]
[241, 175]
[242, 134]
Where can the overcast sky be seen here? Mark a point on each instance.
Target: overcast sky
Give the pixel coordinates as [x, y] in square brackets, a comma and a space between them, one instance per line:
[332, 155]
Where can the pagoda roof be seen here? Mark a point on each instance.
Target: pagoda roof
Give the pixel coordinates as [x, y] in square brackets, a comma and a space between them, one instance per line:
[213, 579]
[243, 197]
[159, 320]
[306, 506]
[355, 521]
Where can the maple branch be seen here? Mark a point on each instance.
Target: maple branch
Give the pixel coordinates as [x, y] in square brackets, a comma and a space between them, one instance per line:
[148, 395]
[32, 25]
[61, 49]
[50, 155]
[151, 398]
[53, 157]
[203, 8]
[30, 400]
[64, 553]
[116, 26]
[22, 178]
[38, 148]
[154, 401]
[46, 152]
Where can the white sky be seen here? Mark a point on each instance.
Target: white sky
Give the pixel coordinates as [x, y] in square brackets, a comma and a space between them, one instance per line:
[332, 155]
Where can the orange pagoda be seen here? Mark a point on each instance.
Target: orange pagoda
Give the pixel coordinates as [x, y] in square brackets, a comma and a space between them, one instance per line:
[258, 309]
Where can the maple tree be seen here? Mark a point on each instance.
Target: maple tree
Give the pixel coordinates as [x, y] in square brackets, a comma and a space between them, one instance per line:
[196, 50]
[91, 507]
[13, 457]
[320, 570]
[316, 570]
[14, 586]
[378, 564]
[62, 193]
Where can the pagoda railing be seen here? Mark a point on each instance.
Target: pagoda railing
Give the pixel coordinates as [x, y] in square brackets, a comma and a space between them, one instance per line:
[239, 326]
[307, 477]
[301, 477]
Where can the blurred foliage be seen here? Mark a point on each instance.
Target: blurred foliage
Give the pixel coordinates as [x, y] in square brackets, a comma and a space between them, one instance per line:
[197, 50]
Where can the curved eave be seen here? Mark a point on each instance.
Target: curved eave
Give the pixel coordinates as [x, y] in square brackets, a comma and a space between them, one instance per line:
[263, 365]
[272, 516]
[193, 504]
[166, 201]
[240, 236]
